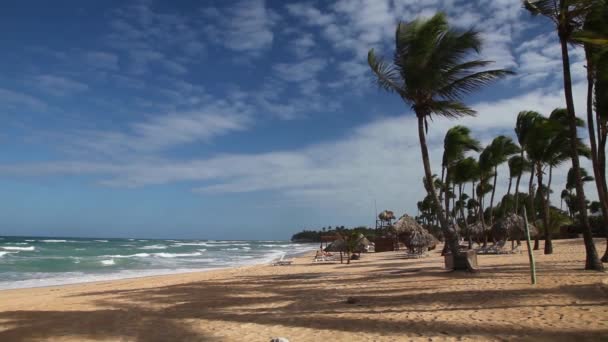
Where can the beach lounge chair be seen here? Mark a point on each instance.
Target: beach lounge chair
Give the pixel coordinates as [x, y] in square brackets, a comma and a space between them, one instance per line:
[282, 261]
[322, 257]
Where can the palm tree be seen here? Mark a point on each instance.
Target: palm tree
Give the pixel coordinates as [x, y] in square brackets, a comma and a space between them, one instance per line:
[517, 166]
[456, 144]
[465, 170]
[431, 71]
[501, 149]
[568, 16]
[594, 26]
[544, 149]
[525, 120]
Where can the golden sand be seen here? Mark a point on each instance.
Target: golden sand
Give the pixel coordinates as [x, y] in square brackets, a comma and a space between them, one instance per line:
[398, 300]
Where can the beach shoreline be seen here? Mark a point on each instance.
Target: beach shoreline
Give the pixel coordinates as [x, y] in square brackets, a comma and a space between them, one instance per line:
[396, 299]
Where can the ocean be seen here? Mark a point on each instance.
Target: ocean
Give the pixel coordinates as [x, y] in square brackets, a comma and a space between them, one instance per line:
[42, 261]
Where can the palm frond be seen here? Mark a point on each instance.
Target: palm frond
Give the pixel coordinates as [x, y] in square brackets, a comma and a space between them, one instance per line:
[472, 82]
[450, 109]
[387, 76]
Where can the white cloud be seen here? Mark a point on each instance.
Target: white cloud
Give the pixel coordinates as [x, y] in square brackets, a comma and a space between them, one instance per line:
[300, 71]
[245, 27]
[102, 60]
[302, 45]
[58, 85]
[378, 160]
[16, 100]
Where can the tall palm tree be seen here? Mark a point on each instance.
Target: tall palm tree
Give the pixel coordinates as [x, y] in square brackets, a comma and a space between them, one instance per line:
[465, 170]
[485, 172]
[544, 148]
[456, 144]
[517, 166]
[568, 16]
[431, 71]
[501, 149]
[596, 54]
[525, 120]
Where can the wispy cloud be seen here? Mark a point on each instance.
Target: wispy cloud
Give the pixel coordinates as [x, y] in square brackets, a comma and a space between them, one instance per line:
[12, 100]
[57, 85]
[379, 160]
[244, 27]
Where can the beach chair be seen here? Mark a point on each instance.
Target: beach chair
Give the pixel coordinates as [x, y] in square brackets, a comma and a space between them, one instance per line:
[320, 257]
[282, 261]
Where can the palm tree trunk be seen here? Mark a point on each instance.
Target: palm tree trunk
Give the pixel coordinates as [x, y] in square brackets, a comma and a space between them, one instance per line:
[517, 183]
[454, 201]
[544, 210]
[592, 261]
[446, 197]
[599, 177]
[464, 218]
[443, 190]
[451, 237]
[492, 197]
[532, 211]
[507, 197]
[549, 184]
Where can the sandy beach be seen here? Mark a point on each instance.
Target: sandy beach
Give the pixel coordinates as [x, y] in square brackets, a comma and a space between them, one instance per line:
[398, 300]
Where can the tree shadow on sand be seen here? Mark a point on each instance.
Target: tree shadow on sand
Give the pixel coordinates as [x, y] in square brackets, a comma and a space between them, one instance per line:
[296, 300]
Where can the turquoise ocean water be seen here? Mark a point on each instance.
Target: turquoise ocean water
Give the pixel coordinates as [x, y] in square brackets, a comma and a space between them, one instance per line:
[41, 261]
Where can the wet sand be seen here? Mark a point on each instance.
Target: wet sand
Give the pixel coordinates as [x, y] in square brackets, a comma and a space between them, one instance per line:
[398, 300]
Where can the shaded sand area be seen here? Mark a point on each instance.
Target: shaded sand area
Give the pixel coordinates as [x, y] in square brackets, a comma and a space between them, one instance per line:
[399, 300]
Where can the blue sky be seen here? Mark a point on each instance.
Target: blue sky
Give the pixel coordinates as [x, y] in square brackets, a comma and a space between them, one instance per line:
[246, 119]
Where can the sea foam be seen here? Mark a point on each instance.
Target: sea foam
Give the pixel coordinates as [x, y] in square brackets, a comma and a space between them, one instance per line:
[12, 248]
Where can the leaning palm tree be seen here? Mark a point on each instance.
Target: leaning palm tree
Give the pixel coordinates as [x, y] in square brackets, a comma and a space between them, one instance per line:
[431, 71]
[465, 170]
[595, 39]
[456, 144]
[568, 16]
[525, 120]
[517, 166]
[501, 149]
[543, 147]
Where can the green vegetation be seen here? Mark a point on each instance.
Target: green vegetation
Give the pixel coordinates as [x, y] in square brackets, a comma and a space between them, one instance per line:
[311, 235]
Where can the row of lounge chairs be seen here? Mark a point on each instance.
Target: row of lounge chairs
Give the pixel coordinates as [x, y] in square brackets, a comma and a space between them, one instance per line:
[321, 256]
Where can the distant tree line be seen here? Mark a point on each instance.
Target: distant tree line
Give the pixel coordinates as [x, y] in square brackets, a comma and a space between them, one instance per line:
[314, 235]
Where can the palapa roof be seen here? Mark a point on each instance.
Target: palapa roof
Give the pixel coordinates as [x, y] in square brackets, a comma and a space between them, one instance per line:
[512, 227]
[412, 233]
[339, 245]
[405, 224]
[386, 215]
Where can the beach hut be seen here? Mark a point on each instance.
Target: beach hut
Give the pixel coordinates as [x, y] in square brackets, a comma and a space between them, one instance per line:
[349, 245]
[479, 231]
[405, 225]
[414, 236]
[511, 227]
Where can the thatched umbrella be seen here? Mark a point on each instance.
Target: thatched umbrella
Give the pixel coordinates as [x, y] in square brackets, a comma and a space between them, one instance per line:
[338, 245]
[405, 225]
[419, 240]
[512, 227]
[413, 235]
[478, 231]
[386, 215]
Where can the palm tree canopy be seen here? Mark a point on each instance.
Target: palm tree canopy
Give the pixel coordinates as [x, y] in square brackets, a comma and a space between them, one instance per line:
[501, 148]
[567, 15]
[525, 120]
[431, 69]
[465, 170]
[571, 178]
[547, 140]
[456, 143]
[517, 166]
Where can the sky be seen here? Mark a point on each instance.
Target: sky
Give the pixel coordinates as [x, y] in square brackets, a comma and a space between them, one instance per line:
[236, 120]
